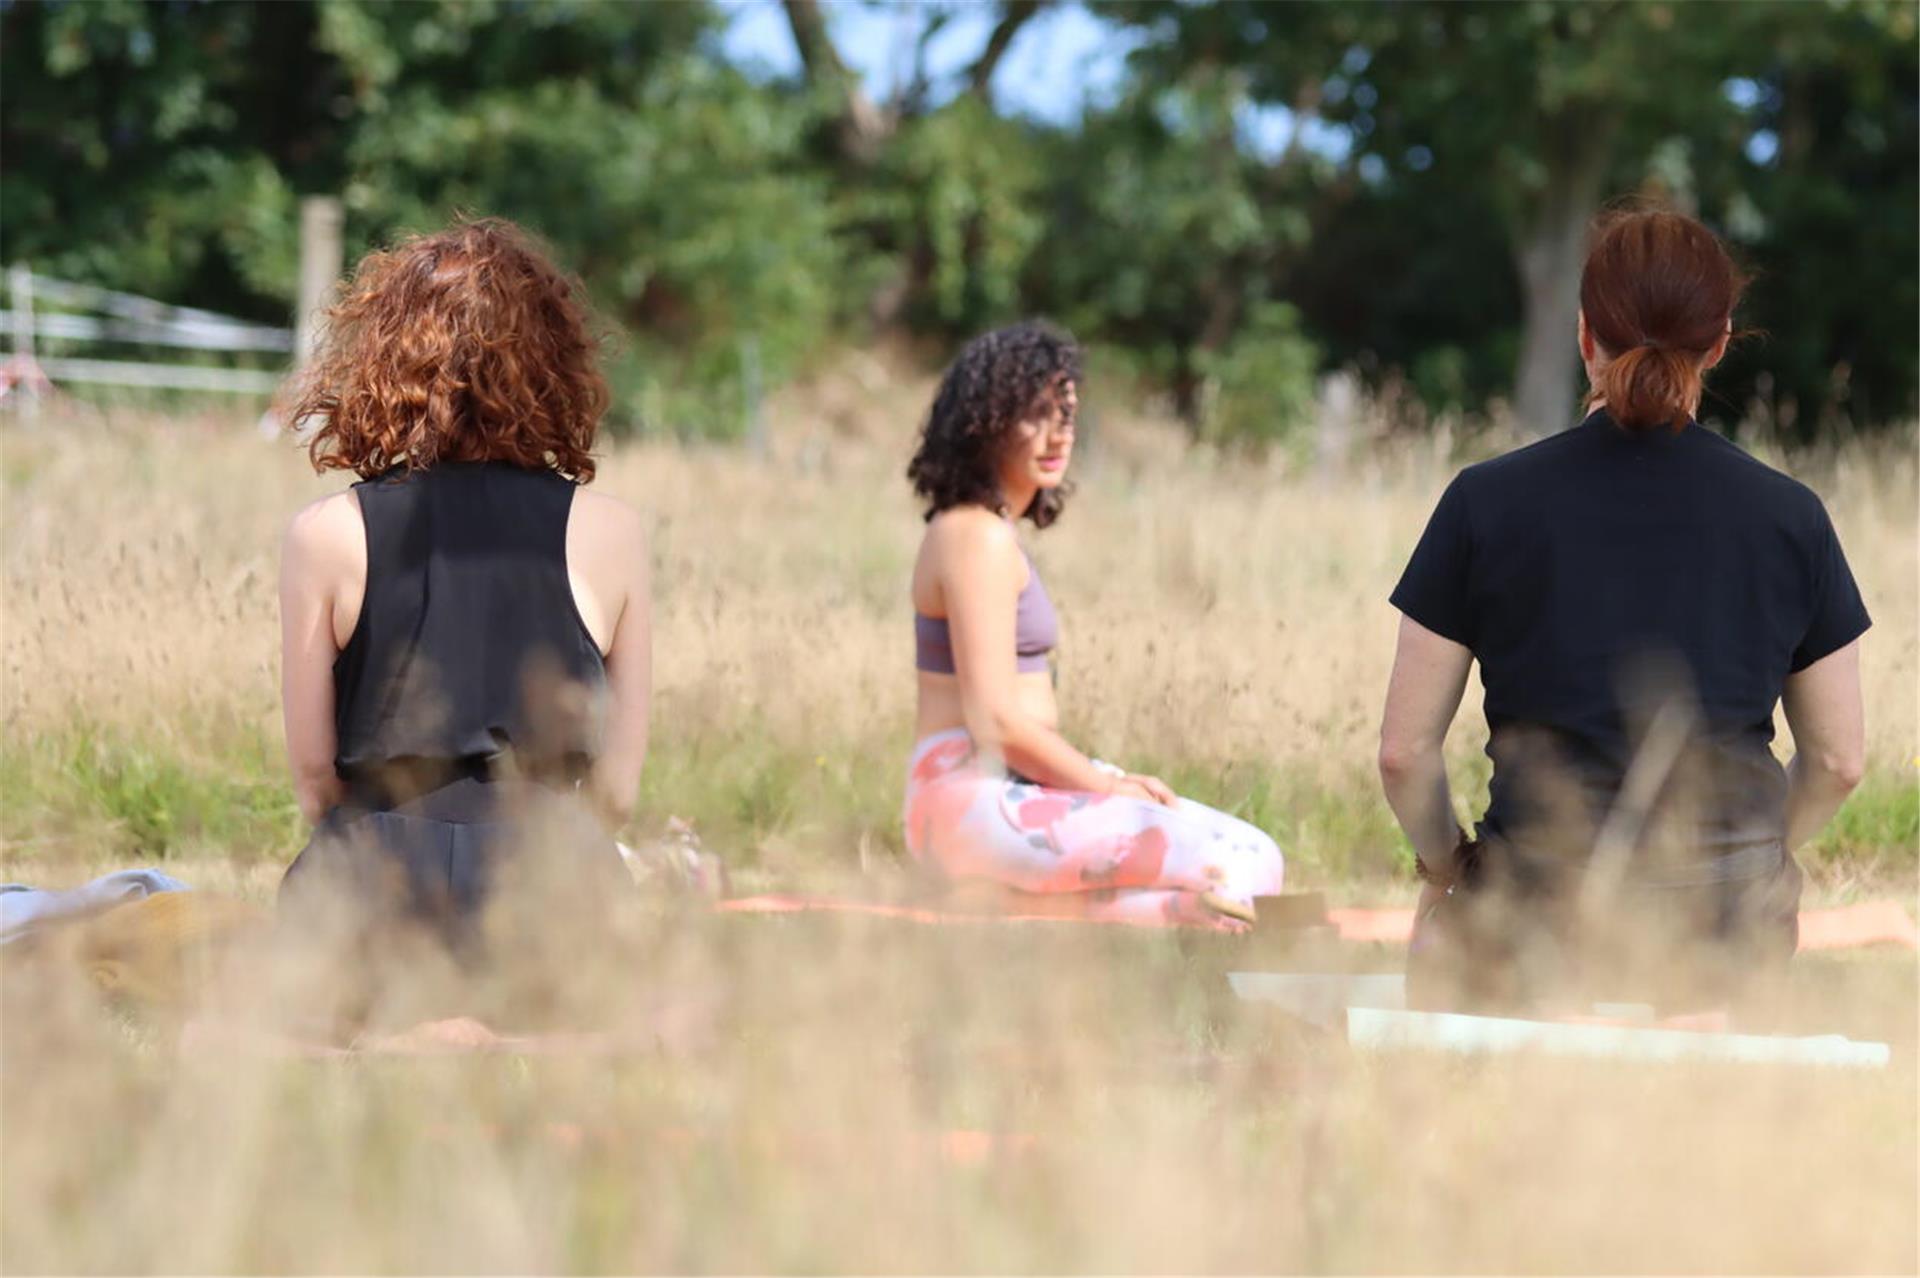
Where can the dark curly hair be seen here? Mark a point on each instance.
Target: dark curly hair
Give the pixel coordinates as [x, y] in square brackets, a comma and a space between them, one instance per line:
[997, 381]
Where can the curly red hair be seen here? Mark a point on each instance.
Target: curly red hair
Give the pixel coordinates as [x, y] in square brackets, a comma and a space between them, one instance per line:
[465, 345]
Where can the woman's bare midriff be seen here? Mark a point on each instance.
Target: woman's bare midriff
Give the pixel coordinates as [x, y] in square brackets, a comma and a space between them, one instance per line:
[940, 708]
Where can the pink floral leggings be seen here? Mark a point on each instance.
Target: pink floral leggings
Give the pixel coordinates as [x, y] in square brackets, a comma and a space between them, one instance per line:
[1125, 858]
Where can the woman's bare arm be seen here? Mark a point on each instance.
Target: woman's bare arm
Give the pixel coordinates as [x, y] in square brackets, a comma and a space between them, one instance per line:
[981, 574]
[1429, 677]
[1824, 710]
[615, 780]
[324, 550]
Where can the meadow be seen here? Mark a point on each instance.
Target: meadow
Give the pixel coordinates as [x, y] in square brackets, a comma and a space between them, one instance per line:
[802, 1095]
[1226, 625]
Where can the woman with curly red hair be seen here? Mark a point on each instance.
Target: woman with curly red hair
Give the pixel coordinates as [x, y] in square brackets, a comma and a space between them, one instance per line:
[994, 792]
[465, 635]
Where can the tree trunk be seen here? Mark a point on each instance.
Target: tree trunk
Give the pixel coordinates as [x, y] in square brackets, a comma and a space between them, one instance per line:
[863, 127]
[1550, 252]
[1014, 14]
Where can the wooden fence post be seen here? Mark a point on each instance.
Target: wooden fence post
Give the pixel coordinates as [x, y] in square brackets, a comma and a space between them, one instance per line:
[26, 377]
[753, 413]
[320, 262]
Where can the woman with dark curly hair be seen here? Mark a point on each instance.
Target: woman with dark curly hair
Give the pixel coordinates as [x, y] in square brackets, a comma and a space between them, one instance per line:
[994, 792]
[464, 631]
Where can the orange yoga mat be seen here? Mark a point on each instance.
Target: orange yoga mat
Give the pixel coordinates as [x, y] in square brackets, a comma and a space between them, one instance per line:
[1869, 923]
[1045, 909]
[1844, 927]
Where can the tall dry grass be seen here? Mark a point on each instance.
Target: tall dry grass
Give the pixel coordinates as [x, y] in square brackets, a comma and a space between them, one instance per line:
[830, 1095]
[1225, 623]
[808, 1094]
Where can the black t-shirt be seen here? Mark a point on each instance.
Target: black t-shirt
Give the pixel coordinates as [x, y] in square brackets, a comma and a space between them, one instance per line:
[1596, 574]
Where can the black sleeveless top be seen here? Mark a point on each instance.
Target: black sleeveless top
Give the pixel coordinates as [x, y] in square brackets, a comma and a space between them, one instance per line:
[470, 656]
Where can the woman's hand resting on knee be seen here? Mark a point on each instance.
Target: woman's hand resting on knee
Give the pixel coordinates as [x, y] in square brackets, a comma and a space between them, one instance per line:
[1134, 785]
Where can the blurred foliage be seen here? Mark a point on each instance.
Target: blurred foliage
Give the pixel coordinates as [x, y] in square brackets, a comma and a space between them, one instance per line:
[955, 207]
[1261, 382]
[1164, 234]
[1270, 192]
[1496, 129]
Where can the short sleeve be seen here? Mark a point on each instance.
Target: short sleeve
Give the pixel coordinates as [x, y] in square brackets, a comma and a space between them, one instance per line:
[1433, 589]
[1837, 615]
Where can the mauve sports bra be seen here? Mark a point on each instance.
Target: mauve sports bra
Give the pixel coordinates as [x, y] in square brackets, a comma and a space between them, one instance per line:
[1036, 629]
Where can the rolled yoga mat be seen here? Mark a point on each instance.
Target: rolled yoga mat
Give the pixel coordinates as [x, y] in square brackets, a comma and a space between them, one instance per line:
[1385, 1029]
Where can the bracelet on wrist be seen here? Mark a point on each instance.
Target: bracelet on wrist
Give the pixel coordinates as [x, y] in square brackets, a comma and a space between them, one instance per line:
[1449, 874]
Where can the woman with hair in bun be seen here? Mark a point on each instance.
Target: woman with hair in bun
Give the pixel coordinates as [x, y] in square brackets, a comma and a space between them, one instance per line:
[1639, 594]
[994, 792]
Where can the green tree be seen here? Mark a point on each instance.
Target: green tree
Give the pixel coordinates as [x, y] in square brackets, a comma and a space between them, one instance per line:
[1165, 235]
[672, 184]
[163, 148]
[1432, 231]
[1822, 200]
[159, 149]
[1545, 108]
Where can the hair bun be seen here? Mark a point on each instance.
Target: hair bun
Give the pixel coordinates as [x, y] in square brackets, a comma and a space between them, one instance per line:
[1657, 292]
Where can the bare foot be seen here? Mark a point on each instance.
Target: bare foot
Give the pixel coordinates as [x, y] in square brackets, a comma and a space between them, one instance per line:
[1233, 909]
[456, 1033]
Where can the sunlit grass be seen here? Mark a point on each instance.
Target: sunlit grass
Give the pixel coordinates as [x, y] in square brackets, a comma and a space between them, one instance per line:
[883, 1097]
[807, 1094]
[1225, 625]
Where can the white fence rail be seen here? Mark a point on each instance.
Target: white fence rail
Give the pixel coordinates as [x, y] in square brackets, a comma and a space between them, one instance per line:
[124, 317]
[194, 334]
[120, 372]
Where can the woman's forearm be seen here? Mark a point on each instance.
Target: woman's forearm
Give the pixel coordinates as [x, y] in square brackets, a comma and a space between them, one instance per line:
[1814, 794]
[614, 785]
[1034, 750]
[1416, 789]
[1828, 719]
[317, 792]
[1429, 675]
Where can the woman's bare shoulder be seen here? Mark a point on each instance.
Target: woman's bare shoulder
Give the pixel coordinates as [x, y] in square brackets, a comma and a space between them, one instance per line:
[971, 530]
[606, 520]
[604, 510]
[326, 528]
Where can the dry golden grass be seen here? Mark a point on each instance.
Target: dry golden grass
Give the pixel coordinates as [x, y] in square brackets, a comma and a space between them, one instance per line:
[1225, 623]
[832, 1096]
[819, 1095]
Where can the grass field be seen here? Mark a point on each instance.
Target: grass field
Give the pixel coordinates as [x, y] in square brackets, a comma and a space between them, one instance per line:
[826, 1096]
[1225, 625]
[801, 1095]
